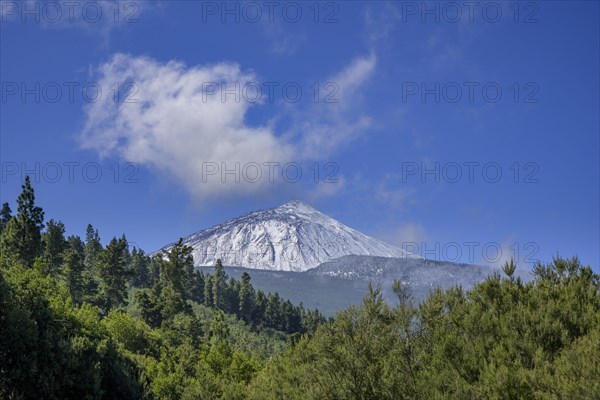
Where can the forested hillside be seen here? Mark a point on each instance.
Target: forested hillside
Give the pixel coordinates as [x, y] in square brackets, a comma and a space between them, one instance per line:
[79, 320]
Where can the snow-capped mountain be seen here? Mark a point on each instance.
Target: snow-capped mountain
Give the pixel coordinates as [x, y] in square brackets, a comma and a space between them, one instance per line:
[292, 237]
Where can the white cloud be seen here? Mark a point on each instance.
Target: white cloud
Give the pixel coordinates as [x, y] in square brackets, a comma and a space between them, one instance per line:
[178, 128]
[327, 126]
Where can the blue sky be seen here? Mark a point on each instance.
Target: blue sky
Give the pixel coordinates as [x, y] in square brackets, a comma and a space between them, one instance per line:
[372, 95]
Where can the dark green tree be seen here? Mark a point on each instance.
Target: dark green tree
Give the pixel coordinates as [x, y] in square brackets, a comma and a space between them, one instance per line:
[260, 307]
[22, 238]
[209, 298]
[73, 274]
[5, 216]
[74, 242]
[93, 248]
[113, 276]
[140, 268]
[509, 269]
[177, 271]
[149, 310]
[219, 281]
[198, 287]
[232, 297]
[247, 298]
[55, 245]
[126, 253]
[273, 316]
[169, 296]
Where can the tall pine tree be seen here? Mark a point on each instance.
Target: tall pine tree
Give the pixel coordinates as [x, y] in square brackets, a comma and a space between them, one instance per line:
[55, 245]
[22, 239]
[73, 275]
[113, 275]
[219, 286]
[5, 216]
[247, 298]
[92, 249]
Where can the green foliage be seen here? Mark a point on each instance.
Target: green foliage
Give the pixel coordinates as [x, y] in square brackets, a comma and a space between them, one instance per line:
[73, 275]
[219, 287]
[189, 335]
[140, 269]
[21, 237]
[505, 339]
[5, 216]
[209, 298]
[55, 245]
[92, 249]
[113, 275]
[51, 350]
[247, 298]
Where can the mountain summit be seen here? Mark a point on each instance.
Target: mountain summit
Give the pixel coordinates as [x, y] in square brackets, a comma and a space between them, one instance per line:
[291, 237]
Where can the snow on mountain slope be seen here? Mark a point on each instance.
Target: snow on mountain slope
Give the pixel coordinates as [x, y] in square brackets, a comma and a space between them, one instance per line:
[292, 237]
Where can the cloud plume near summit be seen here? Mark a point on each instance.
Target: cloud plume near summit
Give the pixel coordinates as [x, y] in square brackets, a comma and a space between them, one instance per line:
[175, 121]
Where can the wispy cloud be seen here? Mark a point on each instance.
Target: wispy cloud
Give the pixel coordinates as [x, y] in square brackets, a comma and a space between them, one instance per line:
[380, 21]
[173, 125]
[326, 126]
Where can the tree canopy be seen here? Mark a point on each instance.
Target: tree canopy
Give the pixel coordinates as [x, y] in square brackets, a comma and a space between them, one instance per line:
[83, 320]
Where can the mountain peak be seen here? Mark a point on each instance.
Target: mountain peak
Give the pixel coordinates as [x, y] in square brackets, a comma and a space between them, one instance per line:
[291, 237]
[297, 205]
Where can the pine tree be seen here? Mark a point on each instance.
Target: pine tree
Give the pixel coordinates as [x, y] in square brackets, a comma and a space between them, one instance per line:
[218, 329]
[291, 317]
[93, 248]
[260, 307]
[232, 297]
[140, 267]
[74, 242]
[247, 298]
[198, 288]
[154, 269]
[126, 252]
[178, 270]
[113, 287]
[509, 269]
[172, 302]
[5, 216]
[208, 291]
[148, 309]
[73, 273]
[22, 238]
[219, 286]
[273, 317]
[55, 245]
